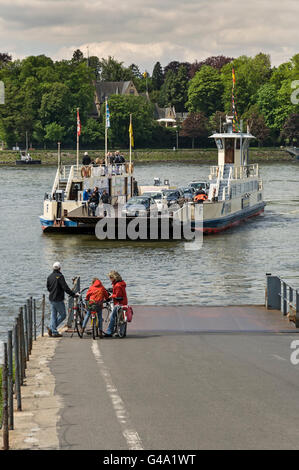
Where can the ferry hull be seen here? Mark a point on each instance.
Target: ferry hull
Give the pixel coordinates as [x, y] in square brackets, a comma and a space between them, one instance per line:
[223, 223]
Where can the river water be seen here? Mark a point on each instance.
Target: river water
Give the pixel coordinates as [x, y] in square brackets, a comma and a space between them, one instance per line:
[229, 269]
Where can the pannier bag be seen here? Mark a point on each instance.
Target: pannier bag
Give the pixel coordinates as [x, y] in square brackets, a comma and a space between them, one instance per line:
[129, 313]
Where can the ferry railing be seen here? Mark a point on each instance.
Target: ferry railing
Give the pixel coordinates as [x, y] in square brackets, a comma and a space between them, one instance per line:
[236, 172]
[282, 296]
[69, 182]
[97, 170]
[56, 181]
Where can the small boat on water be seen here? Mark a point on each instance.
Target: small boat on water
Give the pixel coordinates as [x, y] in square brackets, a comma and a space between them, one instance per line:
[293, 151]
[26, 159]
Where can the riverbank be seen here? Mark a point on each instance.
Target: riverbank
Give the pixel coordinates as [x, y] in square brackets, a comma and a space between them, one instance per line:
[209, 156]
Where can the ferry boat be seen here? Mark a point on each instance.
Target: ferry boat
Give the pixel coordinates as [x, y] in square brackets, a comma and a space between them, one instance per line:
[67, 194]
[236, 190]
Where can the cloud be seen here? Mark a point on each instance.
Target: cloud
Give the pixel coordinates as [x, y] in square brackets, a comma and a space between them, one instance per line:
[144, 32]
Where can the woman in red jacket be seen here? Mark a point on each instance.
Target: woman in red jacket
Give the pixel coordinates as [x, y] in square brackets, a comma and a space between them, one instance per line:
[95, 296]
[119, 296]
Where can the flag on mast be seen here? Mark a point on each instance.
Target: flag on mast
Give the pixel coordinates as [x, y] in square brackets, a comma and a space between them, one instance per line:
[107, 115]
[78, 123]
[131, 132]
[234, 77]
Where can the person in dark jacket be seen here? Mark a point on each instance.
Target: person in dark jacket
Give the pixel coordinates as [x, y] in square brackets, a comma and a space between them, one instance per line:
[94, 200]
[86, 160]
[57, 286]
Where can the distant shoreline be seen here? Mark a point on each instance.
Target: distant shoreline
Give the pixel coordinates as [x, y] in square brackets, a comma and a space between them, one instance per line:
[200, 156]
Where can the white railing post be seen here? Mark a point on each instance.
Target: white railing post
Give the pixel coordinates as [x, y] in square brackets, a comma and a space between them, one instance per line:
[55, 184]
[69, 182]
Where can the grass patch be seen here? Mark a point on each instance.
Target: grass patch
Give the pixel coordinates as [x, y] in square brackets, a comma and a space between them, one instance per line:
[208, 156]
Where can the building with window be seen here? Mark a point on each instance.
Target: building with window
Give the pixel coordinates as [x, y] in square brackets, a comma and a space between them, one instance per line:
[105, 89]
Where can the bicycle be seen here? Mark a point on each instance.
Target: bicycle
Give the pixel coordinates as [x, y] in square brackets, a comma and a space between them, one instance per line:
[120, 324]
[94, 322]
[79, 312]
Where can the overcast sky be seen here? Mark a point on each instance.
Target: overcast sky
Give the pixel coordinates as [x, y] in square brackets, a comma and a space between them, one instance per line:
[145, 31]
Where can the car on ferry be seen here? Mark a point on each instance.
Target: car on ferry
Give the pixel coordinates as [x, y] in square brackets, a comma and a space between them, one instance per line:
[196, 185]
[187, 192]
[157, 196]
[138, 206]
[173, 196]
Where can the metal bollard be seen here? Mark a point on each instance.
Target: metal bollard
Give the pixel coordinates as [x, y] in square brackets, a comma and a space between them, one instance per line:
[273, 292]
[34, 319]
[284, 298]
[23, 345]
[297, 309]
[43, 314]
[5, 401]
[10, 379]
[29, 312]
[18, 371]
[26, 326]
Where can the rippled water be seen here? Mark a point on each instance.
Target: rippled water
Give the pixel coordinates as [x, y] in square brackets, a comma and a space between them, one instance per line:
[229, 269]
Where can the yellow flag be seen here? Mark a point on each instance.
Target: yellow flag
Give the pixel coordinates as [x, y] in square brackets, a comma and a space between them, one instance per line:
[234, 76]
[131, 134]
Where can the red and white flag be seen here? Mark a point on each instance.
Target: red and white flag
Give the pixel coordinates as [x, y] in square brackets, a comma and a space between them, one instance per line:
[78, 123]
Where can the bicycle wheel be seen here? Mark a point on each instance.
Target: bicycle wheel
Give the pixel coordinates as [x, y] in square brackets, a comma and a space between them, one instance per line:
[121, 324]
[79, 320]
[106, 313]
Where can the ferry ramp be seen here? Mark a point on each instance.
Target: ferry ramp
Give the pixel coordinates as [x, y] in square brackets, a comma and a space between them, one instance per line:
[184, 378]
[235, 318]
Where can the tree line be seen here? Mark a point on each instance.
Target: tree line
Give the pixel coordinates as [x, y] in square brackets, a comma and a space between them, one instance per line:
[42, 95]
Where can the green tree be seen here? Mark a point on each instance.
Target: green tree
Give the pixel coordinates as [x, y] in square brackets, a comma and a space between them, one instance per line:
[54, 132]
[94, 64]
[195, 125]
[267, 103]
[113, 71]
[251, 74]
[205, 91]
[174, 90]
[78, 56]
[121, 107]
[93, 133]
[55, 104]
[257, 125]
[216, 121]
[290, 129]
[157, 76]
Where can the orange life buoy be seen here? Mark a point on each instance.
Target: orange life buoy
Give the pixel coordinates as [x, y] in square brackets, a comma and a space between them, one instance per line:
[85, 171]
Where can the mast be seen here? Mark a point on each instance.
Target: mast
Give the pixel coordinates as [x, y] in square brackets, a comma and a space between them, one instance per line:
[234, 111]
[78, 134]
[107, 125]
[131, 141]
